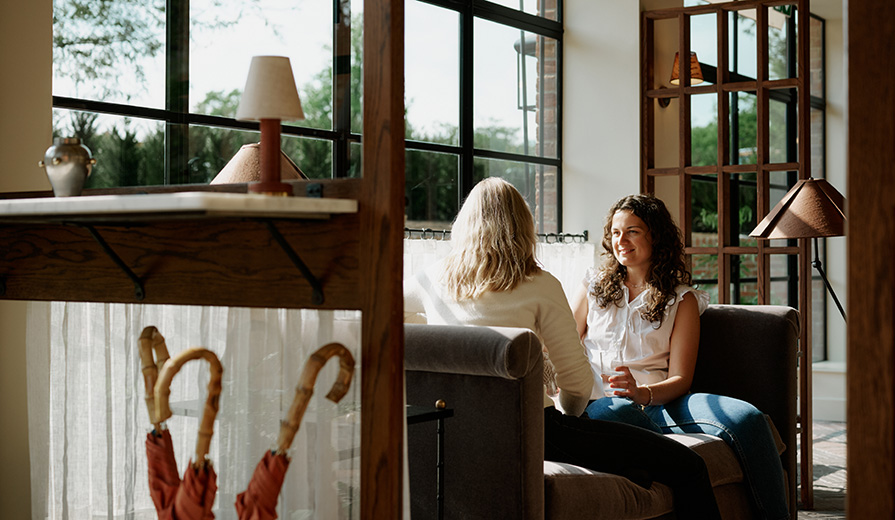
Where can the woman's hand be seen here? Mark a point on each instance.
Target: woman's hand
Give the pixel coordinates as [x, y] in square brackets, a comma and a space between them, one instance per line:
[625, 385]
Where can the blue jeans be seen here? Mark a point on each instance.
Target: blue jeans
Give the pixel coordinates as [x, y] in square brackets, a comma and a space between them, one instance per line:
[741, 425]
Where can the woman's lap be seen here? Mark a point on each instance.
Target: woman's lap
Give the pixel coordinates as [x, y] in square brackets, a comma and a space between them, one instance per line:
[690, 413]
[742, 426]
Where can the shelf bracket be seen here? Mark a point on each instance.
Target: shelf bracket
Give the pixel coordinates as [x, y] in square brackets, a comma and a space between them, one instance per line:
[139, 291]
[317, 296]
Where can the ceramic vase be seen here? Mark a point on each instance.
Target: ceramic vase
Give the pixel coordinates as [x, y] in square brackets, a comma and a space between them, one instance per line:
[68, 164]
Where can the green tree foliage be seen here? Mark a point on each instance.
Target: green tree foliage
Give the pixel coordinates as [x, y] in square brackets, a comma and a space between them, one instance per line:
[704, 147]
[95, 39]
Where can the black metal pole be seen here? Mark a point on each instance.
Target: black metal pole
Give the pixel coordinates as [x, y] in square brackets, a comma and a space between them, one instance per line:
[819, 266]
[439, 498]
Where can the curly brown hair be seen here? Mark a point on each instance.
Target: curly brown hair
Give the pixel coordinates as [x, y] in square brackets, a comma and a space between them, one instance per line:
[667, 267]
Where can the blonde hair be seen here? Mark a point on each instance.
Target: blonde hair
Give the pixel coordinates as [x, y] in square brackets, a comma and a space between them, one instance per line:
[493, 242]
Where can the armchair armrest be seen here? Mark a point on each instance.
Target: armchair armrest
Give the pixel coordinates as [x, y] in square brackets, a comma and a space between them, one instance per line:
[483, 351]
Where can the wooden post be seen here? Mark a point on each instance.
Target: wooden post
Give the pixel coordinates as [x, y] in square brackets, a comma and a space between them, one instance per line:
[871, 256]
[381, 248]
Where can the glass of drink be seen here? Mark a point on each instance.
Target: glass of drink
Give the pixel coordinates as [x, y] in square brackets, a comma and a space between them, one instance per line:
[609, 361]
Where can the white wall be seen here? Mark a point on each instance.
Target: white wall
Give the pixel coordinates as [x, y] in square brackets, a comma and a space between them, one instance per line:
[25, 132]
[829, 397]
[601, 122]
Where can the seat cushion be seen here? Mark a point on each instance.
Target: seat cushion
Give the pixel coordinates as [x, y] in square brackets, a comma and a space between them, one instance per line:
[570, 489]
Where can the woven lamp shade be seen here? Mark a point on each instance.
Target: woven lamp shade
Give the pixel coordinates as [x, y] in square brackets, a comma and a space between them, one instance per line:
[695, 70]
[245, 166]
[812, 208]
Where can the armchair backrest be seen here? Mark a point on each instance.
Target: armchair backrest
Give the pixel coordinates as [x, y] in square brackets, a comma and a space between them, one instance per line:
[750, 352]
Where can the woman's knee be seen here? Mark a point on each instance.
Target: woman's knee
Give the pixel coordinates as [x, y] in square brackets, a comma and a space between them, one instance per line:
[619, 410]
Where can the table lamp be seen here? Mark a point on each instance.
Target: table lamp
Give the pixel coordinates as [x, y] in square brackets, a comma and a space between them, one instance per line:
[811, 209]
[270, 96]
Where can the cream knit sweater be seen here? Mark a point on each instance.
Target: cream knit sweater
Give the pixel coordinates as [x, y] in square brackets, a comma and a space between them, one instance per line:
[538, 304]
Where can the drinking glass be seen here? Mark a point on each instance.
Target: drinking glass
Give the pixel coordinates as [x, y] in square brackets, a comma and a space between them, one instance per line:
[609, 361]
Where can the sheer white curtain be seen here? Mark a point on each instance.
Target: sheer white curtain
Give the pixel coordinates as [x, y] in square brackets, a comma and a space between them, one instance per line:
[566, 261]
[88, 419]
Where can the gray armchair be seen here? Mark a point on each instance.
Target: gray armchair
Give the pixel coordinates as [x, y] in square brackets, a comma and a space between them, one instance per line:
[494, 447]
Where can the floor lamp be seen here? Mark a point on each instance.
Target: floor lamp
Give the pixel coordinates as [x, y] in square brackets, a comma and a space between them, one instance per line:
[811, 209]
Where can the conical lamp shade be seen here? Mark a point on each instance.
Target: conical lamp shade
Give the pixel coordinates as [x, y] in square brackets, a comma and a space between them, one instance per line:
[695, 70]
[812, 208]
[270, 91]
[245, 166]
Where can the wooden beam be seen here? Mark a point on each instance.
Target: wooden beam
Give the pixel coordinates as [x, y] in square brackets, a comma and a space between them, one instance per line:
[806, 405]
[194, 261]
[871, 279]
[381, 248]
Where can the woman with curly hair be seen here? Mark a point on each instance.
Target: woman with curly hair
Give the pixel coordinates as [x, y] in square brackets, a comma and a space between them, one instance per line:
[492, 278]
[639, 319]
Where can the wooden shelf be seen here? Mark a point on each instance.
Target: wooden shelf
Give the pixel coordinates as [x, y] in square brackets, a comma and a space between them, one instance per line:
[162, 206]
[197, 248]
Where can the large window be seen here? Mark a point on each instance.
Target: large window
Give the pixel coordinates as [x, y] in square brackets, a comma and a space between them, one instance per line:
[740, 153]
[152, 86]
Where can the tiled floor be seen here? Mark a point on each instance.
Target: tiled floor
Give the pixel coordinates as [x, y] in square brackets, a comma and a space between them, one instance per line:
[829, 472]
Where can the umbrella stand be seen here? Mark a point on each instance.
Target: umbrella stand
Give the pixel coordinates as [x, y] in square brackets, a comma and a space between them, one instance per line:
[197, 491]
[259, 500]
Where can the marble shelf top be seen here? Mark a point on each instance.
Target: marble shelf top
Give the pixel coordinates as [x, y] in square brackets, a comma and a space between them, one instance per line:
[165, 205]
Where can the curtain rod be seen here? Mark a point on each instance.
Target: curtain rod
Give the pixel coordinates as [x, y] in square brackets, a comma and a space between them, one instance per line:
[444, 234]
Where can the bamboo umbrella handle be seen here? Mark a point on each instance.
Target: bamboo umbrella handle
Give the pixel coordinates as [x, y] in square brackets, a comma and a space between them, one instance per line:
[151, 341]
[305, 389]
[163, 393]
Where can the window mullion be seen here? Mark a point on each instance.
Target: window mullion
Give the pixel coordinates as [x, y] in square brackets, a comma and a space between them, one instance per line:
[341, 86]
[467, 129]
[177, 80]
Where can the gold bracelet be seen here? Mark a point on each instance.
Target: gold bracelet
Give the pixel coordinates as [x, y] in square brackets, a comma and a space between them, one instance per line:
[650, 396]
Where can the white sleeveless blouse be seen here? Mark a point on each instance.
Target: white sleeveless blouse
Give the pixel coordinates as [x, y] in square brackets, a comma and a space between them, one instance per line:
[620, 330]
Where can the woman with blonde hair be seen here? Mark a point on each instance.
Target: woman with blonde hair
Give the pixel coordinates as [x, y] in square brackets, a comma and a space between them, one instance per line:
[491, 278]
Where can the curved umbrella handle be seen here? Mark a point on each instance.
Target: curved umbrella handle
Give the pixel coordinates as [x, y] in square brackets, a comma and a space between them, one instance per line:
[305, 388]
[163, 393]
[151, 341]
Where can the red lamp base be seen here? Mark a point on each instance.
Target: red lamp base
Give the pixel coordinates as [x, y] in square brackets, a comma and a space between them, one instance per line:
[270, 183]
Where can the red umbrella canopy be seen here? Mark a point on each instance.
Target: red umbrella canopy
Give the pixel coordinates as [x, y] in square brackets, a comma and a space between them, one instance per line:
[196, 494]
[163, 478]
[259, 500]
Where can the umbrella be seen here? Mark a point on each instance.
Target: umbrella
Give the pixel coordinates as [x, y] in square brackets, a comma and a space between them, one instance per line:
[163, 477]
[195, 495]
[259, 500]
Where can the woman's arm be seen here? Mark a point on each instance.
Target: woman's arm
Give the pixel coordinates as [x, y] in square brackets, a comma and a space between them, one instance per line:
[556, 327]
[682, 356]
[681, 363]
[579, 309]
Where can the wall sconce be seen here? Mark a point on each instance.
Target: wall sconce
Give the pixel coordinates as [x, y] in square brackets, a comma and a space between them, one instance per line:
[695, 74]
[811, 209]
[695, 70]
[270, 96]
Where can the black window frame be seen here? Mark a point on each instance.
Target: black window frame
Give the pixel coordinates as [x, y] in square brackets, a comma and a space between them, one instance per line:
[177, 117]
